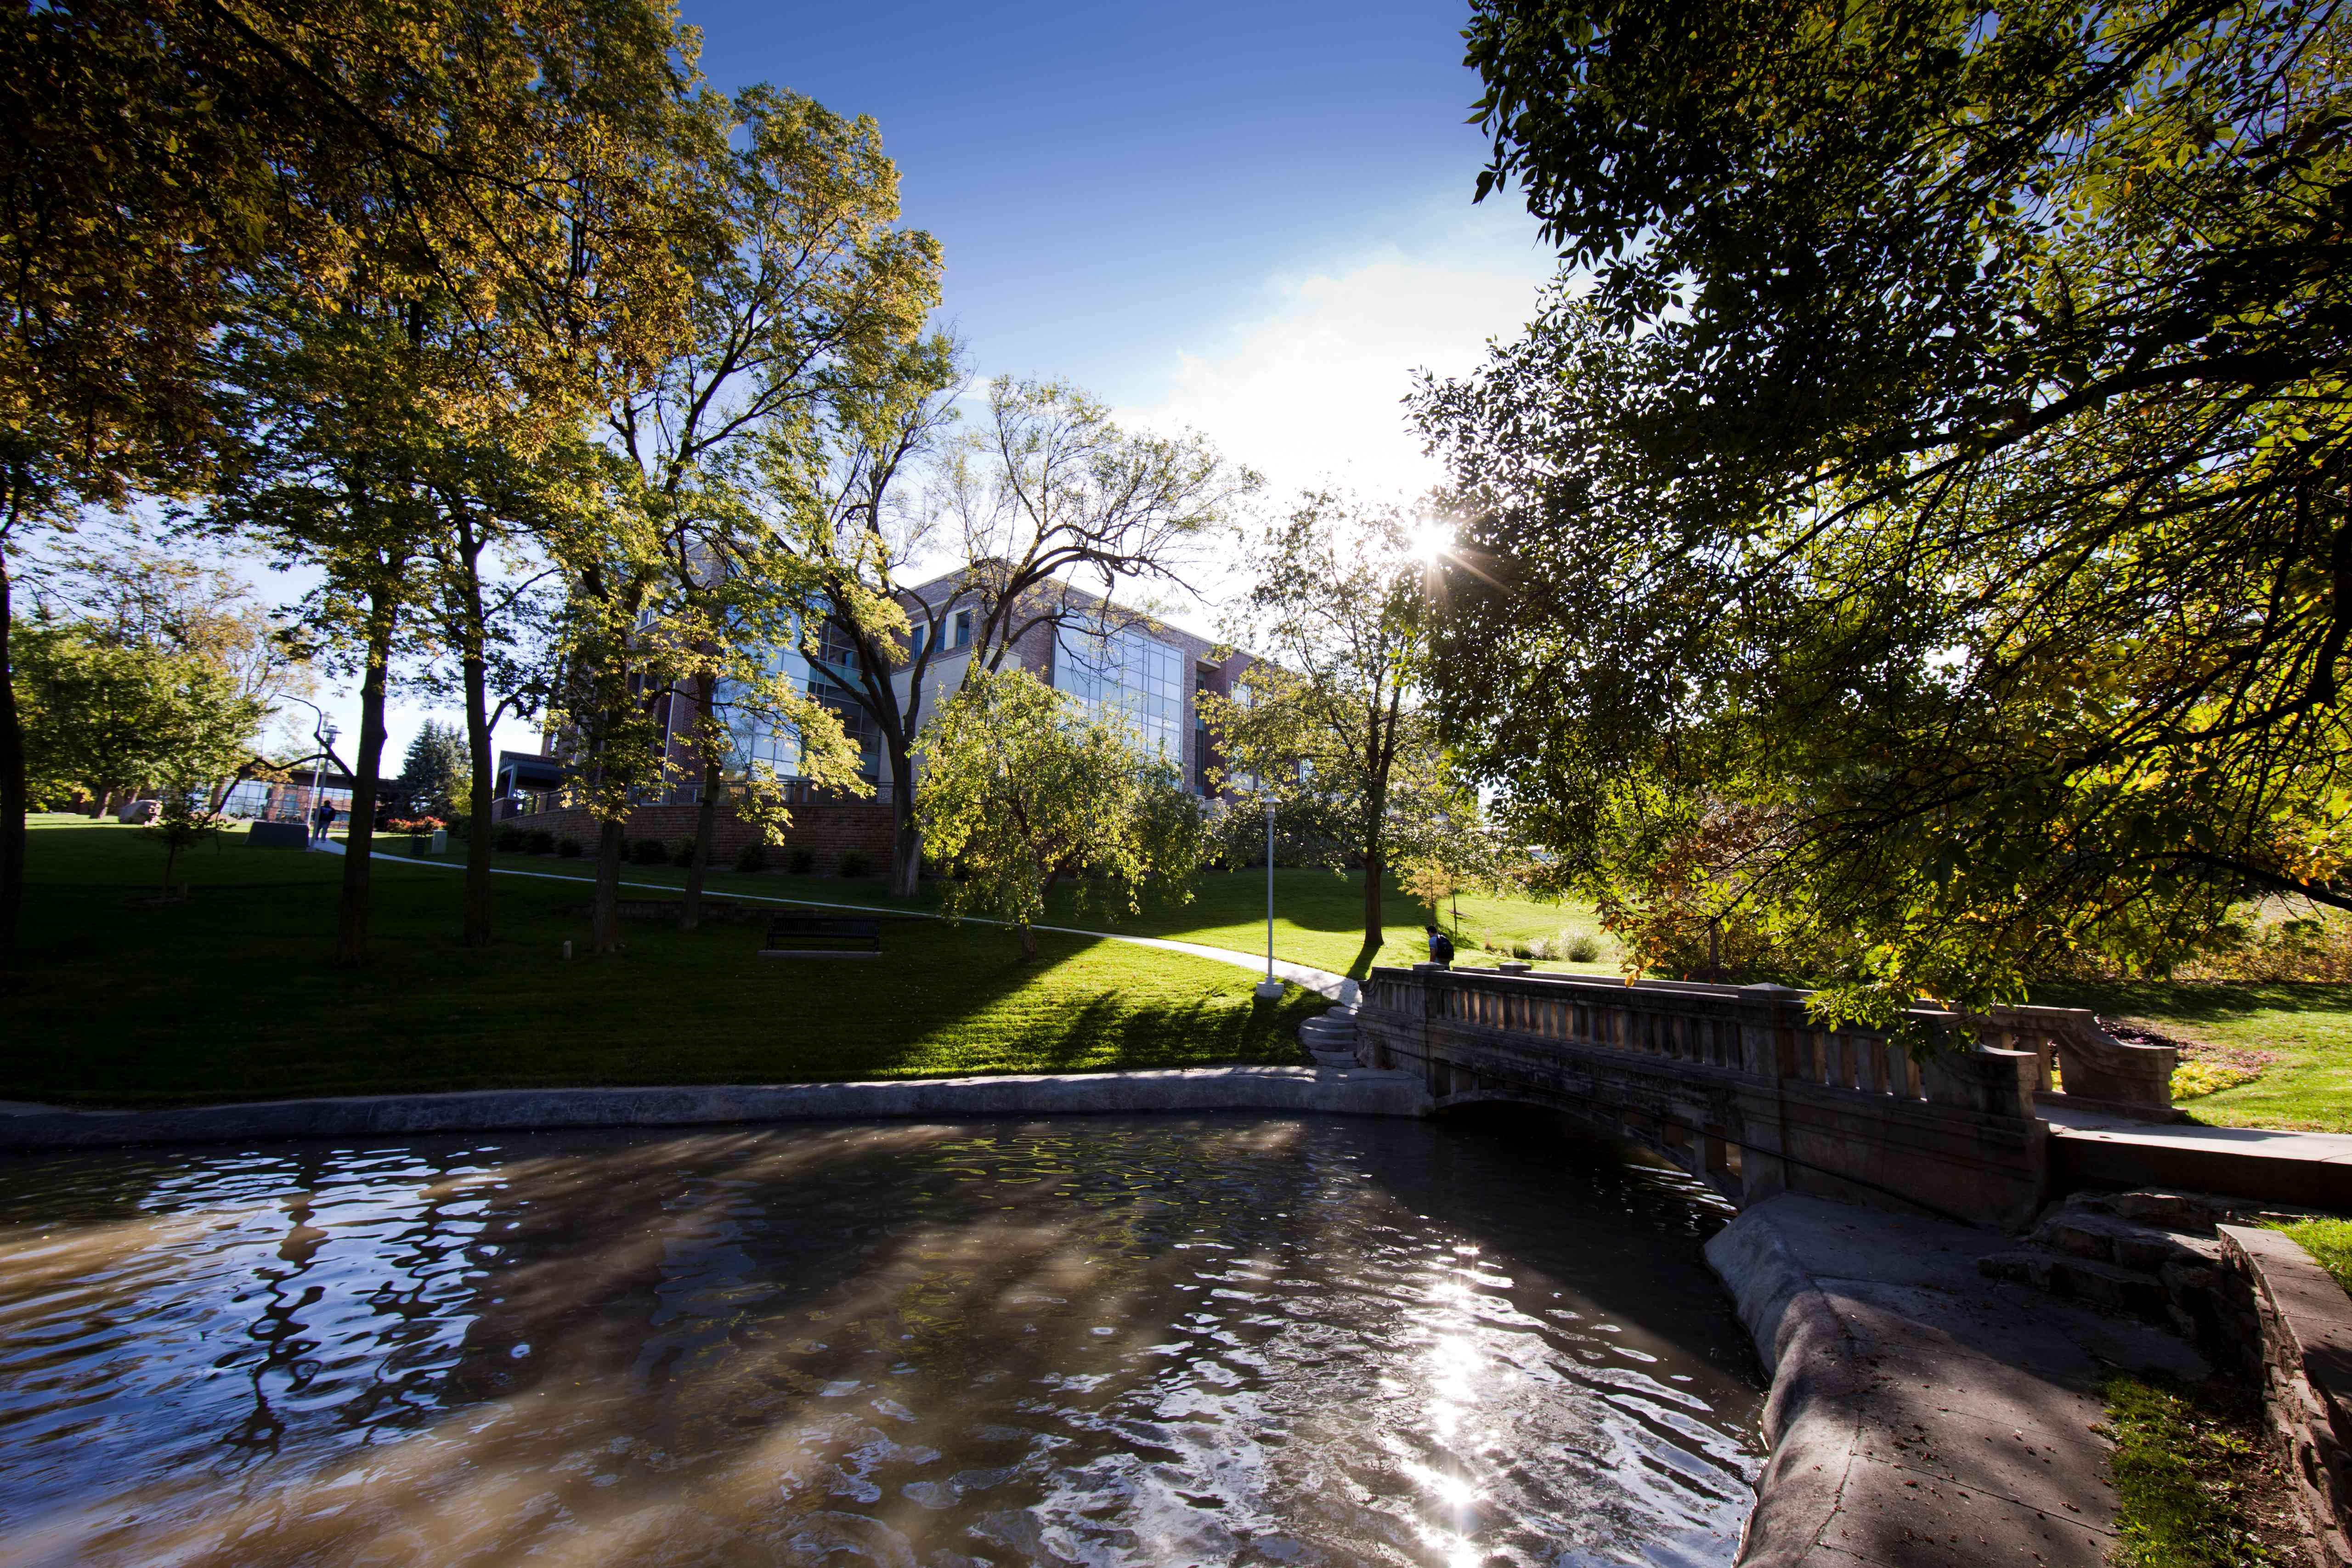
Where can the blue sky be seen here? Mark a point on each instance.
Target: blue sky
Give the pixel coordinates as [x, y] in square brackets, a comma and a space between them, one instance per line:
[1251, 220]
[1254, 219]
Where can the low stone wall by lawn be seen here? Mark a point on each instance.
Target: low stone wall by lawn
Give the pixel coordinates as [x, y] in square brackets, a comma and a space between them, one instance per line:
[2302, 1320]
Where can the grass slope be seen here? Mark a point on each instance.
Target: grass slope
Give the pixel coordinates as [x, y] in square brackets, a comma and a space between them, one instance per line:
[1319, 915]
[230, 997]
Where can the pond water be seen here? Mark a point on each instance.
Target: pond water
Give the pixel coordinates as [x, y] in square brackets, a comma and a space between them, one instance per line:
[1174, 1341]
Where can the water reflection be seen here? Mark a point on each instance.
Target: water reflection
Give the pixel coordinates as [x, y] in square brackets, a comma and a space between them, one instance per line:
[1221, 1340]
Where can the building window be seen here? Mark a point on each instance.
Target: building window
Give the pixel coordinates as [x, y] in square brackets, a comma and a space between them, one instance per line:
[963, 628]
[915, 643]
[1127, 675]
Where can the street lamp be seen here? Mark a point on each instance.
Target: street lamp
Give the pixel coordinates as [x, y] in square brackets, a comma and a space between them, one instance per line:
[324, 733]
[1269, 988]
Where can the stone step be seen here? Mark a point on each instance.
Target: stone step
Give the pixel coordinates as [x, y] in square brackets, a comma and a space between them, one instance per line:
[2109, 1285]
[2108, 1238]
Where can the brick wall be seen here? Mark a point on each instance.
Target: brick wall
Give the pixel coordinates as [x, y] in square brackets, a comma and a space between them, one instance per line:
[825, 831]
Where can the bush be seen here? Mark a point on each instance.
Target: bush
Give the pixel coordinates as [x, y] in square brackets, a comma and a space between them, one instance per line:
[854, 864]
[543, 842]
[569, 849]
[649, 852]
[800, 862]
[1579, 947]
[512, 840]
[682, 852]
[753, 857]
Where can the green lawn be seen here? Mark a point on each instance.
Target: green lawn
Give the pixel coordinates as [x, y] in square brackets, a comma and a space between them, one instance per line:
[2306, 1029]
[230, 997]
[1319, 915]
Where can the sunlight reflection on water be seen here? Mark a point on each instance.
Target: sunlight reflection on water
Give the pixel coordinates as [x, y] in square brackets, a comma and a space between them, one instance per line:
[1166, 1341]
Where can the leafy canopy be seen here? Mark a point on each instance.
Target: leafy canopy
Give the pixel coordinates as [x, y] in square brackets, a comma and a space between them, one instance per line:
[1020, 792]
[1943, 472]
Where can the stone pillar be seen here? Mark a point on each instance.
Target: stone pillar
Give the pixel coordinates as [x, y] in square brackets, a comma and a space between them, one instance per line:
[1767, 1044]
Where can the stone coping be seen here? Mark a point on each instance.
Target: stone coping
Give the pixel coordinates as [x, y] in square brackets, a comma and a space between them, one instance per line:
[2307, 1348]
[1921, 1416]
[1358, 1092]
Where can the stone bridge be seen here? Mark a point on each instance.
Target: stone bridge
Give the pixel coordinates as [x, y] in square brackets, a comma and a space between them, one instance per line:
[1737, 1086]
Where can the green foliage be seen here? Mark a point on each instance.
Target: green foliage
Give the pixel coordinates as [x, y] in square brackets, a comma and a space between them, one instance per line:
[568, 848]
[2329, 1242]
[102, 716]
[1019, 793]
[2178, 1474]
[542, 842]
[852, 864]
[751, 857]
[1947, 467]
[1332, 713]
[438, 775]
[649, 852]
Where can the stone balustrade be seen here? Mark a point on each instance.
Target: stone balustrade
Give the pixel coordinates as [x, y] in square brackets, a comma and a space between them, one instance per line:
[1740, 1086]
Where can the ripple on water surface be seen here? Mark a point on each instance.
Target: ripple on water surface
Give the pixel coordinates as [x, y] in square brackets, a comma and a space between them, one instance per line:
[1173, 1341]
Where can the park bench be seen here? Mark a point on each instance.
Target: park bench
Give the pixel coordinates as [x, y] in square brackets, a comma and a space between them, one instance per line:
[822, 936]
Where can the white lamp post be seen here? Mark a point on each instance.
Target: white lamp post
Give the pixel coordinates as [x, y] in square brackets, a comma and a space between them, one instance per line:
[1269, 988]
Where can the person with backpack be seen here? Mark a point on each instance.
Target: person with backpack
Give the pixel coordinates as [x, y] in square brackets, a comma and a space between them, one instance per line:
[1441, 947]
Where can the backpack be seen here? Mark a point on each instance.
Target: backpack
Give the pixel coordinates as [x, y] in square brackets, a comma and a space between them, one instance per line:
[1441, 948]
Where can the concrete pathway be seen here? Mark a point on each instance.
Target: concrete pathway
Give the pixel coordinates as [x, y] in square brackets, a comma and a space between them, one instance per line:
[2264, 1164]
[1339, 988]
[1922, 1415]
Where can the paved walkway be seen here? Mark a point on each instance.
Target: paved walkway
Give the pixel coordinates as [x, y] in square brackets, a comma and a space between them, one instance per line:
[1339, 988]
[2263, 1163]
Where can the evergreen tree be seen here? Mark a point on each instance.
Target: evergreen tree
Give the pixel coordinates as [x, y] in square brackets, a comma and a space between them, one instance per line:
[436, 776]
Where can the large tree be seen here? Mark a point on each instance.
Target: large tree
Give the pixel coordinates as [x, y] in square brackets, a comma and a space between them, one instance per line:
[154, 153]
[1946, 470]
[1021, 792]
[803, 275]
[1052, 494]
[1334, 708]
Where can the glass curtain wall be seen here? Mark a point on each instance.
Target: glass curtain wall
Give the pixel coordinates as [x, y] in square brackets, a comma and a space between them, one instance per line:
[1127, 675]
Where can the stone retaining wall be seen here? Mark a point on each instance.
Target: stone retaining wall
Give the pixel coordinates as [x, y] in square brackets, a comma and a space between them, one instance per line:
[2301, 1321]
[1274, 1089]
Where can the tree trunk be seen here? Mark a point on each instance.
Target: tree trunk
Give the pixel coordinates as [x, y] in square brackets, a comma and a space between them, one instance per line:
[1375, 930]
[12, 799]
[604, 914]
[477, 932]
[907, 842]
[359, 842]
[705, 816]
[1028, 942]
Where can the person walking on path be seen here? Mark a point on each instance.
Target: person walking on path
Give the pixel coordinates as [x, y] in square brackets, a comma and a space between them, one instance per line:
[323, 819]
[1441, 947]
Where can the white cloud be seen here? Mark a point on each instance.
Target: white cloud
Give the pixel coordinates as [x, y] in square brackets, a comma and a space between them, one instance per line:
[1313, 390]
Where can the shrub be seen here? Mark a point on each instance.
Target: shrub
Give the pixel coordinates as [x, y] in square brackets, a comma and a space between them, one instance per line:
[569, 849]
[2195, 1080]
[854, 864]
[543, 842]
[682, 852]
[649, 852]
[510, 839]
[800, 862]
[2309, 948]
[753, 857]
[1579, 947]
